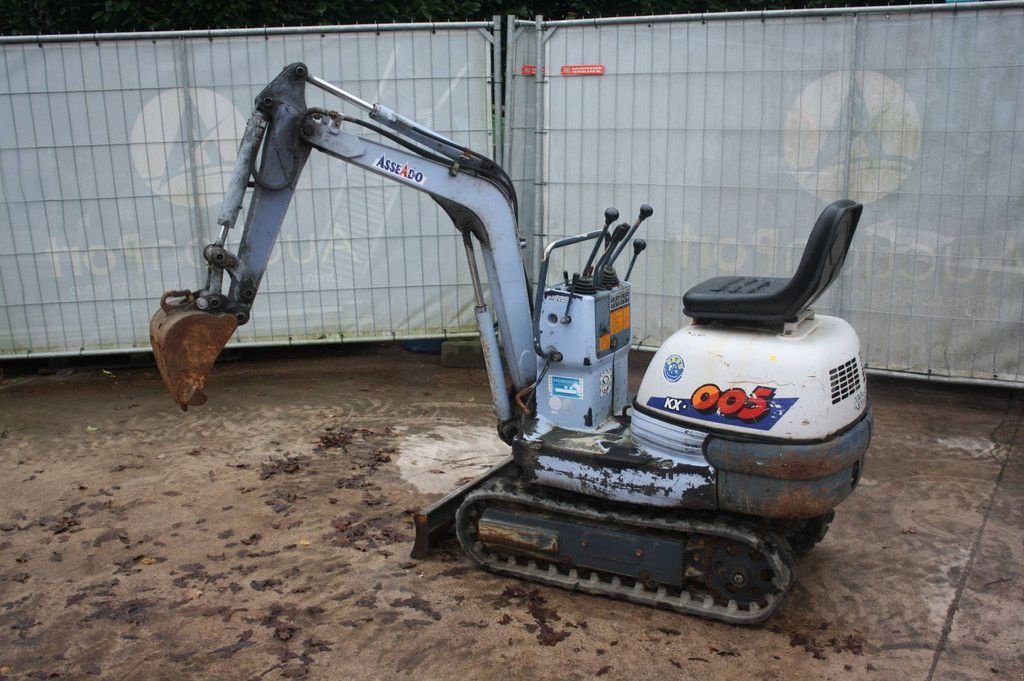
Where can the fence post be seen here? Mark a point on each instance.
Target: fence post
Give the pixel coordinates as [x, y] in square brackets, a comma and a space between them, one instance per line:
[509, 52]
[540, 147]
[841, 289]
[497, 92]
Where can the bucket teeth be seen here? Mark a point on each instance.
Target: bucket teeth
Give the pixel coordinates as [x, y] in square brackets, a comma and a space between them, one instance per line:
[186, 342]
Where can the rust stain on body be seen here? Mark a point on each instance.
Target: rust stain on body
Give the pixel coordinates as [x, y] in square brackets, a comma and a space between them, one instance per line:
[786, 465]
[529, 539]
[798, 503]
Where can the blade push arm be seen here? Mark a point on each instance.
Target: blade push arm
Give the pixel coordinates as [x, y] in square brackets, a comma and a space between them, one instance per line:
[472, 190]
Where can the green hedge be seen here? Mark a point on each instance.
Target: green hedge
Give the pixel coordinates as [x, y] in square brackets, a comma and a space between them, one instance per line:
[75, 16]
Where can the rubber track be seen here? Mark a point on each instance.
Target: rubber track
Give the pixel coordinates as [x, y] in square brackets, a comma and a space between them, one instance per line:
[601, 583]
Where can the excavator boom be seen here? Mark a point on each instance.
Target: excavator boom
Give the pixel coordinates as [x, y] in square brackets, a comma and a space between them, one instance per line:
[191, 328]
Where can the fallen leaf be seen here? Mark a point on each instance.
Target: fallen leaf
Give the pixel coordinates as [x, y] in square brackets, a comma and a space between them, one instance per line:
[303, 542]
[284, 630]
[91, 429]
[148, 560]
[191, 595]
[229, 650]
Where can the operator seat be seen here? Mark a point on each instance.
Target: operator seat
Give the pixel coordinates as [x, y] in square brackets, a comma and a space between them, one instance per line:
[777, 300]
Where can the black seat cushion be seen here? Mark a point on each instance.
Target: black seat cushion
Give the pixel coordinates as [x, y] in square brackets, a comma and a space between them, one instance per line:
[748, 299]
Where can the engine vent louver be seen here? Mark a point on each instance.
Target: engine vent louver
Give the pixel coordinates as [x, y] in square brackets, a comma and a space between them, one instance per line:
[845, 380]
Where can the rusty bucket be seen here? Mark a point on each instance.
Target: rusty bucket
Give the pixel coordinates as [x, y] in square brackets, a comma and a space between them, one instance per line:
[186, 342]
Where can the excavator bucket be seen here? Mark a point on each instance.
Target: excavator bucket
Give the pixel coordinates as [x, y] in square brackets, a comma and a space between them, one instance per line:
[186, 342]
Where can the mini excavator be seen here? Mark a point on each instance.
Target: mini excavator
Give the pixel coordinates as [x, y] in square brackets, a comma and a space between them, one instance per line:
[696, 494]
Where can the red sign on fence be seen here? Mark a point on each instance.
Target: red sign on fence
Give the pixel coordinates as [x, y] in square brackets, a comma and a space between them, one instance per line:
[567, 70]
[583, 70]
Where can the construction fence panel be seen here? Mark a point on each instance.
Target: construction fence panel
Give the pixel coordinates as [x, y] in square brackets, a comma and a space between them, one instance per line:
[116, 152]
[740, 129]
[520, 146]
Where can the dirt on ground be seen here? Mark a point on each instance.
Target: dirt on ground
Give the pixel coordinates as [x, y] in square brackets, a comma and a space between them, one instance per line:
[266, 535]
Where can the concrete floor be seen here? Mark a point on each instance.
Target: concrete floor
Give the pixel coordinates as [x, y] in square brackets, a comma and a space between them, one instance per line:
[266, 535]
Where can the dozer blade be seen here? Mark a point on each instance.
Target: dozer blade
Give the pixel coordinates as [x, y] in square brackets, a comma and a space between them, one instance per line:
[186, 342]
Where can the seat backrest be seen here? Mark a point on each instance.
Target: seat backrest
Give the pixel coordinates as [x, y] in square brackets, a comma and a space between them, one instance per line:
[825, 251]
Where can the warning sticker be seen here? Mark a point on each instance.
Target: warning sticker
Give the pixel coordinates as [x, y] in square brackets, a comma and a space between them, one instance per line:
[619, 319]
[565, 386]
[582, 70]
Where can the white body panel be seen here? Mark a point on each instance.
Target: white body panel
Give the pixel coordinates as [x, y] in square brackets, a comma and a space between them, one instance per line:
[761, 383]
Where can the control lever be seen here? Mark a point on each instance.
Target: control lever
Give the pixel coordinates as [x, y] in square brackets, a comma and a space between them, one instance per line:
[572, 288]
[620, 232]
[584, 282]
[645, 212]
[610, 216]
[638, 247]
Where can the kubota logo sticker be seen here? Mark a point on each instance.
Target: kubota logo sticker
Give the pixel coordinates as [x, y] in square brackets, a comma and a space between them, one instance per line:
[400, 169]
[673, 369]
[760, 409]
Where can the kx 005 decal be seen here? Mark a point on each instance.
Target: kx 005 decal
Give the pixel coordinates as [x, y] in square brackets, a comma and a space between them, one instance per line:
[760, 409]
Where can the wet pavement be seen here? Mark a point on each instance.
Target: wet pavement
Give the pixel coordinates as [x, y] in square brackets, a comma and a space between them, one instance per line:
[266, 535]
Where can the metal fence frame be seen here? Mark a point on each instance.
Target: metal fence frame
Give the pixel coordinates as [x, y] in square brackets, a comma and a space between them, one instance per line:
[454, 314]
[520, 132]
[529, 44]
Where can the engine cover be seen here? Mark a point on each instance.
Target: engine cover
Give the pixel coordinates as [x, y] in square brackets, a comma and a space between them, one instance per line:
[803, 385]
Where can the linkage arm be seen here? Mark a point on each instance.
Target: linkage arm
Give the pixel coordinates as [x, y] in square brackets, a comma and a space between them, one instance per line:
[472, 190]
